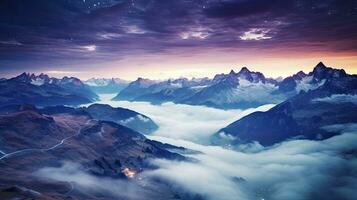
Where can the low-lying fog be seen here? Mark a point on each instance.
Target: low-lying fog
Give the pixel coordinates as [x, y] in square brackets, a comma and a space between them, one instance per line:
[180, 121]
[299, 169]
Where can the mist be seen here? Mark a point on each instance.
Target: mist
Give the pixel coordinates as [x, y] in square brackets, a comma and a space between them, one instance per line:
[299, 169]
[180, 121]
[294, 170]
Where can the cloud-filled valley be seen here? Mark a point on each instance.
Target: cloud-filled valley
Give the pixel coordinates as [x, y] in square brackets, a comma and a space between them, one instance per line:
[294, 169]
[179, 121]
[299, 169]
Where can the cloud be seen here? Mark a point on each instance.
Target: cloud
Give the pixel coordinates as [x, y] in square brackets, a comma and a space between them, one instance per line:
[307, 83]
[134, 29]
[255, 34]
[296, 169]
[195, 33]
[338, 98]
[349, 127]
[11, 42]
[193, 123]
[82, 181]
[62, 72]
[90, 47]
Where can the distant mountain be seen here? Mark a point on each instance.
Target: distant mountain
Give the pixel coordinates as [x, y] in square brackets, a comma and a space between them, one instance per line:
[106, 86]
[237, 90]
[234, 90]
[173, 90]
[31, 140]
[135, 89]
[244, 89]
[161, 91]
[42, 90]
[331, 101]
[303, 82]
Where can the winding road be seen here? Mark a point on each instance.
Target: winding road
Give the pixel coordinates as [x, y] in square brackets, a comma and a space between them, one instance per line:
[6, 155]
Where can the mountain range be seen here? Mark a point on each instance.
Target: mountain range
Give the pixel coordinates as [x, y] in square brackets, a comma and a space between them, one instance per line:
[316, 114]
[243, 89]
[43, 127]
[304, 102]
[42, 90]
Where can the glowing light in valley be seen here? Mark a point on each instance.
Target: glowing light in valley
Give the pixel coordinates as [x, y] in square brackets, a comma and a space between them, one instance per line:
[255, 34]
[128, 172]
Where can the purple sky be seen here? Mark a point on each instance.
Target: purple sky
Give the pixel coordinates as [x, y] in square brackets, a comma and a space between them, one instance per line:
[171, 38]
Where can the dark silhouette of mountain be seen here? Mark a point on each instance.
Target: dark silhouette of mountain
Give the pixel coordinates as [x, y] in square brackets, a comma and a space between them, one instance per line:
[43, 91]
[306, 115]
[125, 117]
[31, 140]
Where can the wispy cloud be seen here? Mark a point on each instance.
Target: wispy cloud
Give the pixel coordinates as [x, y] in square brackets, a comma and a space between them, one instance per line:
[89, 47]
[10, 42]
[255, 34]
[338, 98]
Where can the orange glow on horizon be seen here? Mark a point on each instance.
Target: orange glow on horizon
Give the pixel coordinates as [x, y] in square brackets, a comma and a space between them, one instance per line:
[207, 64]
[199, 67]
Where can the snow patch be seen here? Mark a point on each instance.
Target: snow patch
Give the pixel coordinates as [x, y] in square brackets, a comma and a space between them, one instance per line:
[38, 81]
[307, 84]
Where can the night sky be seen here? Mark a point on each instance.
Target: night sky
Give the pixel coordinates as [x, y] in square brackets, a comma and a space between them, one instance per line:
[172, 38]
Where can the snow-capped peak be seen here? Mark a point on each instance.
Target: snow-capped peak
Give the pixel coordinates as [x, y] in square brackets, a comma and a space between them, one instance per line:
[104, 81]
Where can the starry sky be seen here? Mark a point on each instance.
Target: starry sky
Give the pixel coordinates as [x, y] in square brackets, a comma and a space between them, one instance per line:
[160, 39]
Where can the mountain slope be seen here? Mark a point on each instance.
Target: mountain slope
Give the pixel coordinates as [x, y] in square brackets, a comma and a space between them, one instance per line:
[125, 117]
[31, 141]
